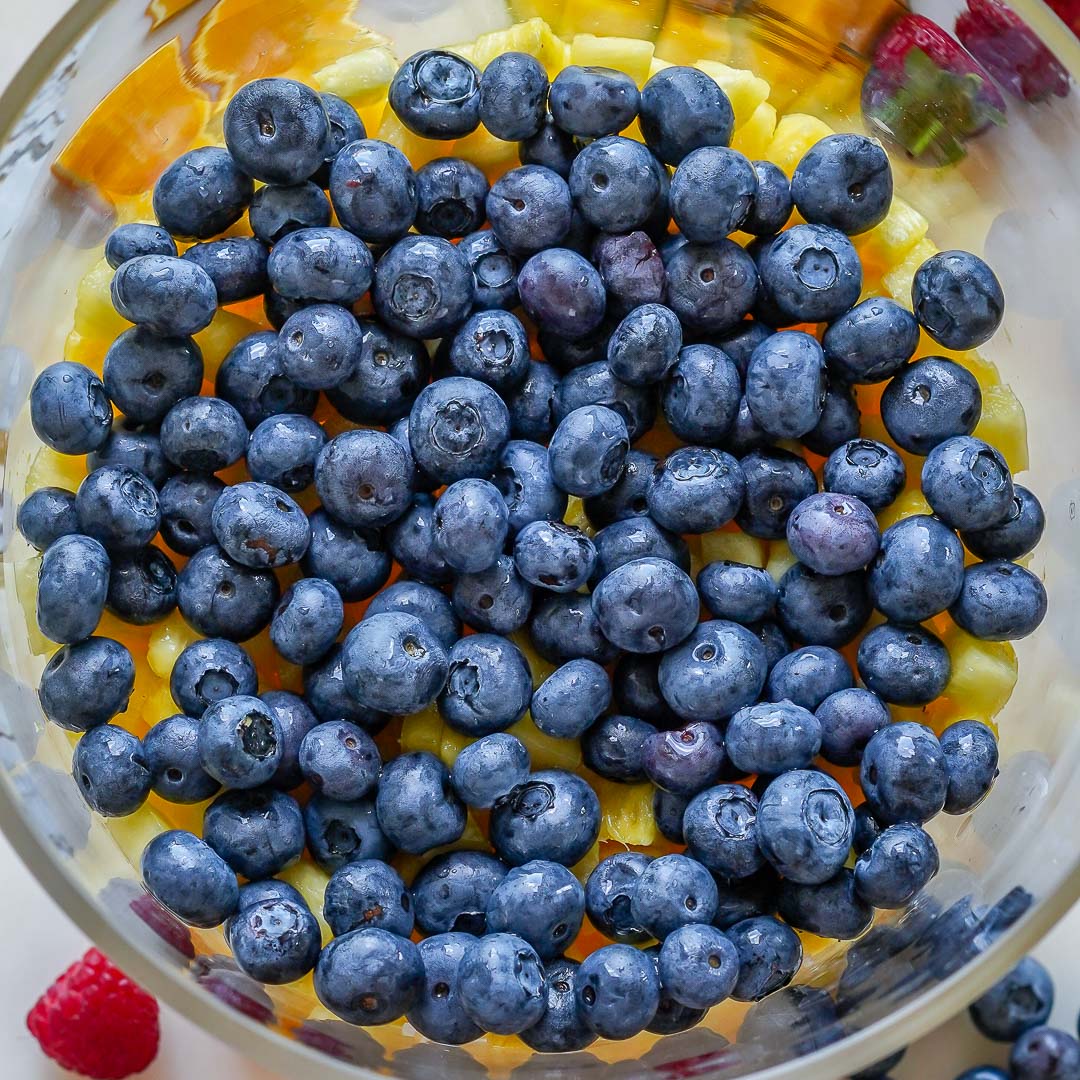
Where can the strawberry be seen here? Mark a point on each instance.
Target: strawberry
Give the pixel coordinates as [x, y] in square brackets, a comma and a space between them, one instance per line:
[1068, 11]
[1008, 48]
[926, 95]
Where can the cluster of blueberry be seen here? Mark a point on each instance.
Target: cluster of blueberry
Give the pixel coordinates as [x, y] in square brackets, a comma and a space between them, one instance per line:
[460, 472]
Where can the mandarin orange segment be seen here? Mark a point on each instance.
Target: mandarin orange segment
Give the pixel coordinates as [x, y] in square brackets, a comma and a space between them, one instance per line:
[161, 11]
[144, 123]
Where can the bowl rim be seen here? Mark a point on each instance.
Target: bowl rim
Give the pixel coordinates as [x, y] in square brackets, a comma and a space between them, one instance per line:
[279, 1054]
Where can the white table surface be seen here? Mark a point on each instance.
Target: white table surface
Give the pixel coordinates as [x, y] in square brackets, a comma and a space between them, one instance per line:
[38, 941]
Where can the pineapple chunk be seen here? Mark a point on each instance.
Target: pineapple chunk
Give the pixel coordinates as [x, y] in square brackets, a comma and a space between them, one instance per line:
[220, 336]
[547, 752]
[781, 559]
[539, 667]
[985, 371]
[418, 150]
[983, 675]
[795, 134]
[1004, 425]
[626, 812]
[134, 832]
[754, 137]
[897, 281]
[51, 469]
[909, 504]
[26, 586]
[889, 242]
[451, 744]
[656, 65]
[422, 731]
[493, 156]
[310, 881]
[167, 641]
[95, 317]
[745, 90]
[362, 78]
[532, 36]
[576, 517]
[630, 55]
[734, 547]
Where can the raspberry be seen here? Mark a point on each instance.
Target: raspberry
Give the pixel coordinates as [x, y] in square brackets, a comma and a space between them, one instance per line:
[94, 1020]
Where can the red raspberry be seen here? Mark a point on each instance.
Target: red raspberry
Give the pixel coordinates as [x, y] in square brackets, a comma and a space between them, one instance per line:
[94, 1020]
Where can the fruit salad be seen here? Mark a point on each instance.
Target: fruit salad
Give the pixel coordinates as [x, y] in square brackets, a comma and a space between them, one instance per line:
[525, 539]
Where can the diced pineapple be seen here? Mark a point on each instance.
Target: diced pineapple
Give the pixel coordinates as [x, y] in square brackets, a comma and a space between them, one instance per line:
[95, 316]
[734, 547]
[493, 156]
[539, 667]
[754, 137]
[781, 559]
[897, 281]
[220, 336]
[451, 744]
[422, 731]
[134, 832]
[532, 36]
[167, 641]
[576, 517]
[983, 674]
[656, 65]
[25, 574]
[795, 134]
[630, 55]
[418, 150]
[985, 371]
[50, 469]
[1004, 425]
[362, 78]
[626, 812]
[909, 504]
[547, 752]
[310, 881]
[745, 90]
[889, 242]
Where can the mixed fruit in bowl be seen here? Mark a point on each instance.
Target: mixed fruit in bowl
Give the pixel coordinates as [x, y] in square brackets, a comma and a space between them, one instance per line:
[534, 571]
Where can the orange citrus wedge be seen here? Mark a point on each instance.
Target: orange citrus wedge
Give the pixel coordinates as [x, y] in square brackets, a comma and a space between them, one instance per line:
[161, 11]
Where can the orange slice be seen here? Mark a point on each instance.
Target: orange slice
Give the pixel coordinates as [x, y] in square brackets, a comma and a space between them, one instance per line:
[240, 40]
[161, 11]
[144, 123]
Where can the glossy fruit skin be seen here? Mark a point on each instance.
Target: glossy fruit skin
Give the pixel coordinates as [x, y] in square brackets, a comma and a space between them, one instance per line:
[416, 806]
[685, 760]
[493, 601]
[145, 375]
[615, 184]
[279, 209]
[275, 941]
[770, 953]
[1023, 999]
[614, 747]
[696, 489]
[957, 299]
[631, 267]
[295, 719]
[221, 598]
[971, 760]
[373, 189]
[355, 561]
[87, 683]
[541, 902]
[513, 96]
[712, 287]
[339, 833]
[283, 451]
[488, 686]
[563, 292]
[489, 770]
[785, 384]
[436, 94]
[258, 833]
[701, 395]
[494, 270]
[1044, 1052]
[712, 192]
[591, 102]
[810, 273]
[554, 556]
[929, 401]
[618, 991]
[637, 537]
[203, 435]
[240, 742]
[423, 287]
[571, 698]
[189, 878]
[531, 404]
[200, 195]
[471, 524]
[820, 609]
[133, 239]
[872, 341]
[491, 346]
[69, 409]
[588, 450]
[896, 866]
[437, 1013]
[595, 384]
[551, 147]
[171, 749]
[699, 966]
[735, 591]
[903, 665]
[73, 582]
[364, 478]
[561, 1029]
[368, 893]
[451, 892]
[369, 976]
[608, 893]
[260, 526]
[207, 671]
[999, 601]
[844, 181]
[142, 586]
[807, 676]
[833, 534]
[904, 774]
[832, 908]
[776, 482]
[340, 760]
[644, 347]
[673, 891]
[530, 209]
[252, 379]
[235, 264]
[501, 983]
[772, 203]
[769, 739]
[450, 198]
[683, 109]
[1017, 535]
[720, 826]
[647, 605]
[45, 515]
[111, 771]
[118, 507]
[169, 296]
[326, 264]
[849, 718]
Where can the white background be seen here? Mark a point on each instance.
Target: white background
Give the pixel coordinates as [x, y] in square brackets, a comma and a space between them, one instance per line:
[38, 941]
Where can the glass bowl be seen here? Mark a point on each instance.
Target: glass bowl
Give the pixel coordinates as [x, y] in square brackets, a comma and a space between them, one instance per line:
[1009, 870]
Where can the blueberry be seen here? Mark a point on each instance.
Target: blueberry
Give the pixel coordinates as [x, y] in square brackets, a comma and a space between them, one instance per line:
[541, 902]
[275, 941]
[235, 264]
[957, 299]
[531, 405]
[221, 598]
[111, 771]
[849, 718]
[369, 976]
[831, 908]
[339, 833]
[458, 428]
[530, 209]
[746, 898]
[189, 878]
[203, 434]
[696, 490]
[896, 866]
[735, 591]
[277, 130]
[423, 287]
[364, 478]
[805, 823]
[142, 586]
[417, 807]
[295, 719]
[746, 435]
[615, 184]
[554, 816]
[438, 1013]
[553, 555]
[844, 181]
[451, 194]
[833, 534]
[614, 747]
[324, 264]
[983, 1072]
[701, 395]
[428, 604]
[168, 296]
[593, 101]
[672, 891]
[647, 605]
[258, 833]
[346, 127]
[768, 739]
[562, 1028]
[785, 384]
[719, 669]
[608, 893]
[866, 470]
[494, 270]
[200, 195]
[1023, 999]
[513, 96]
[492, 346]
[411, 541]
[240, 742]
[564, 627]
[260, 526]
[500, 983]
[971, 761]
[354, 561]
[278, 310]
[1014, 537]
[207, 671]
[283, 450]
[73, 582]
[1044, 1053]
[70, 409]
[436, 94]
[134, 239]
[564, 354]
[712, 192]
[252, 379]
[570, 700]
[367, 893]
[319, 346]
[720, 826]
[772, 203]
[340, 760]
[488, 686]
[637, 537]
[595, 384]
[683, 109]
[86, 684]
[277, 210]
[494, 601]
[256, 892]
[668, 809]
[171, 749]
[872, 341]
[627, 499]
[645, 346]
[471, 523]
[388, 372]
[739, 343]
[489, 769]
[904, 774]
[451, 892]
[999, 601]
[919, 572]
[373, 189]
[811, 273]
[634, 276]
[563, 292]
[699, 966]
[822, 610]
[776, 482]
[146, 375]
[118, 507]
[773, 640]
[840, 420]
[588, 450]
[47, 514]
[550, 147]
[867, 829]
[770, 954]
[618, 991]
[711, 287]
[686, 760]
[329, 698]
[930, 401]
[903, 665]
[523, 476]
